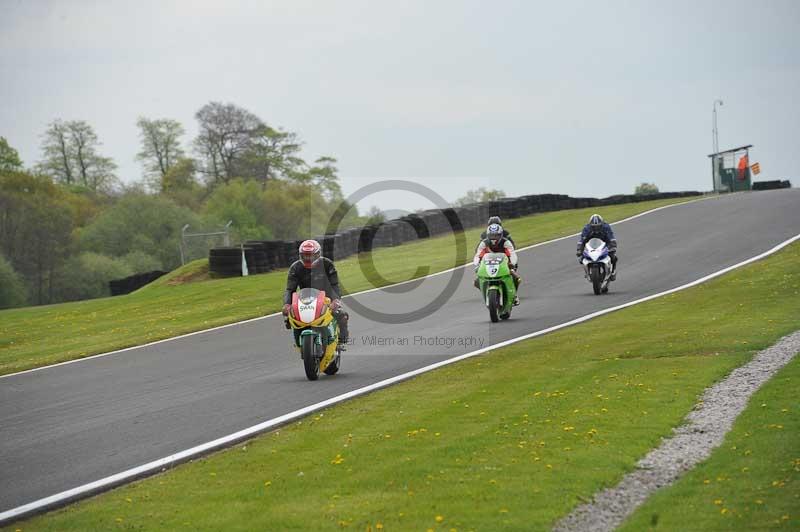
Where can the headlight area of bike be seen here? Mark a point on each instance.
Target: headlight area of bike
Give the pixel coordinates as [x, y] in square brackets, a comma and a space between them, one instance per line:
[324, 319]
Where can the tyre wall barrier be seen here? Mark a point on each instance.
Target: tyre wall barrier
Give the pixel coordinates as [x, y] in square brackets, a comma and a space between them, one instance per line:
[771, 185]
[266, 255]
[127, 285]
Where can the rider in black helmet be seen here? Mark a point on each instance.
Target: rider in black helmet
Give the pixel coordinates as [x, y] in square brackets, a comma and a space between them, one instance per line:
[598, 228]
[506, 234]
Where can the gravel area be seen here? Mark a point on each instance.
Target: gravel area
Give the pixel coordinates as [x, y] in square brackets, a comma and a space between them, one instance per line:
[690, 444]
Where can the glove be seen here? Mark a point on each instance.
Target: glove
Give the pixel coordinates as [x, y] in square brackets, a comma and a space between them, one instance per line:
[336, 304]
[287, 308]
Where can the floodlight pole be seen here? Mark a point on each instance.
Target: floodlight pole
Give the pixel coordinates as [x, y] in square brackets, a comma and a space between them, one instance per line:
[715, 131]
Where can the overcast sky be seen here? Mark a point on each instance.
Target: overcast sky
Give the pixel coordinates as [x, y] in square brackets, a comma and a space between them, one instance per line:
[582, 98]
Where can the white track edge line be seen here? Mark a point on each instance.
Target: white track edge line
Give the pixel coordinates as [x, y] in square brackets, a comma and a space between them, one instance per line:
[154, 466]
[185, 335]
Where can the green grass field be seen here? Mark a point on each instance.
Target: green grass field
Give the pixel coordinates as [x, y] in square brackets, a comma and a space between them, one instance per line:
[515, 438]
[37, 336]
[752, 482]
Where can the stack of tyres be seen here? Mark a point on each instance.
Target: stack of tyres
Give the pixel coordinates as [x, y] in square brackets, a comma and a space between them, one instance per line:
[274, 249]
[453, 219]
[346, 243]
[771, 185]
[418, 225]
[134, 282]
[366, 238]
[383, 236]
[288, 253]
[227, 261]
[259, 262]
[397, 230]
[328, 243]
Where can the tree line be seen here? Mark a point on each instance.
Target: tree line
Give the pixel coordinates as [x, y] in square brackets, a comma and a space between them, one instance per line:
[68, 224]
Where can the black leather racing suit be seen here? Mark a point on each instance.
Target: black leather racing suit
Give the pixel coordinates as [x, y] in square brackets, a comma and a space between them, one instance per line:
[323, 276]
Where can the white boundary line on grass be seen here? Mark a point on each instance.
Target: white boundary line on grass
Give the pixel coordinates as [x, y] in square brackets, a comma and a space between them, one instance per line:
[186, 335]
[173, 459]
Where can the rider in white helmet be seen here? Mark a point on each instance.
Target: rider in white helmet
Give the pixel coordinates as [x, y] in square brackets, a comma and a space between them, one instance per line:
[496, 242]
[315, 271]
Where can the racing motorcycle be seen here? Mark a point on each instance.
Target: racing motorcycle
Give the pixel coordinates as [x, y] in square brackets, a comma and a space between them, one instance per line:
[597, 265]
[496, 285]
[316, 332]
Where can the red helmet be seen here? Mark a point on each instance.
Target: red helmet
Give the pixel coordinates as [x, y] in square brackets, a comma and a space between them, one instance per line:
[310, 253]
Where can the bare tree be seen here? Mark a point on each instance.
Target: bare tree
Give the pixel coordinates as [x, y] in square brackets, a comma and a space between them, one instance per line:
[226, 135]
[161, 148]
[58, 159]
[71, 156]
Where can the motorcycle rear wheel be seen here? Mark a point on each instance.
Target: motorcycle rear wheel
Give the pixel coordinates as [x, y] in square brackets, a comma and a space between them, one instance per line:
[308, 349]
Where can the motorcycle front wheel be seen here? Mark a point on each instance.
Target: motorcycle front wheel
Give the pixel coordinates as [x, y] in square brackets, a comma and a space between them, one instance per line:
[597, 279]
[494, 305]
[310, 361]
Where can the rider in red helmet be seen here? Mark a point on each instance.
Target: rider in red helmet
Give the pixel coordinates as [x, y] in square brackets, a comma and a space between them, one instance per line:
[315, 271]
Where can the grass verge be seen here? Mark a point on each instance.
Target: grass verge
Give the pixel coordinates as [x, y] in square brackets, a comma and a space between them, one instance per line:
[37, 336]
[751, 482]
[513, 439]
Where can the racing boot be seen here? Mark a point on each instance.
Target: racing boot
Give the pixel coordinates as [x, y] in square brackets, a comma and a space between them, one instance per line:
[613, 268]
[517, 281]
[344, 332]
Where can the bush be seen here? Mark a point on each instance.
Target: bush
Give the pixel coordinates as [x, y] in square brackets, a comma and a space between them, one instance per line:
[141, 262]
[139, 222]
[12, 287]
[646, 189]
[86, 276]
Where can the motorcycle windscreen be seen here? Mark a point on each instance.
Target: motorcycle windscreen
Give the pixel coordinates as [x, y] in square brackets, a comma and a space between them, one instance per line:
[595, 244]
[309, 304]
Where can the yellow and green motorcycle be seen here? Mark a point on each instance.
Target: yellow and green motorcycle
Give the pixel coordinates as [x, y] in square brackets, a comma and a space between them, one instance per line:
[316, 332]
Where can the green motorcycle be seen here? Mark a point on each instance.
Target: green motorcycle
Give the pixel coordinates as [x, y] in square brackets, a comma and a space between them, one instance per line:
[497, 285]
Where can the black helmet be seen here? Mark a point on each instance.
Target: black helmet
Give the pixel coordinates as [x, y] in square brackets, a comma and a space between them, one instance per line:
[596, 221]
[494, 233]
[494, 220]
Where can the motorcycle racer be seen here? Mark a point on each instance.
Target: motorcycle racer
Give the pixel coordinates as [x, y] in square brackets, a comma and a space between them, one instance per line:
[506, 234]
[495, 242]
[312, 270]
[598, 228]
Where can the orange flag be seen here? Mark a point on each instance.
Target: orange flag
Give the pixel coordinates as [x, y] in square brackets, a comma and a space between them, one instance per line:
[743, 164]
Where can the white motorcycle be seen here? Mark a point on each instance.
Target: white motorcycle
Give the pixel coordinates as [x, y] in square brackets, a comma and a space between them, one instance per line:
[597, 265]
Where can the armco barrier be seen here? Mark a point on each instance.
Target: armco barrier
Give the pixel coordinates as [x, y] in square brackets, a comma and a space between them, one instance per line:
[269, 255]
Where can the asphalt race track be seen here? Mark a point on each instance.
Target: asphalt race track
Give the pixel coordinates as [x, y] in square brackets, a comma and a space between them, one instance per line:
[69, 425]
